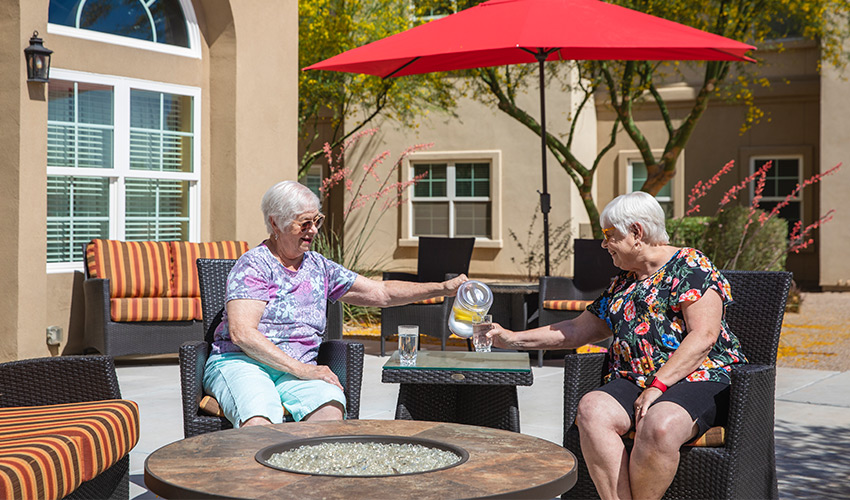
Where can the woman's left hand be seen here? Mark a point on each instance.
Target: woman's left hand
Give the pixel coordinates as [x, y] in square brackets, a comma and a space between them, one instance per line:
[644, 401]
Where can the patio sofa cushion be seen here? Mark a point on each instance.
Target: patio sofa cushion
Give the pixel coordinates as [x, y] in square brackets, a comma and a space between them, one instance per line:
[566, 305]
[155, 309]
[184, 255]
[433, 300]
[133, 268]
[47, 451]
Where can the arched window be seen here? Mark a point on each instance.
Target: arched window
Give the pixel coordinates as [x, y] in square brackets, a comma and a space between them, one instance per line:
[157, 21]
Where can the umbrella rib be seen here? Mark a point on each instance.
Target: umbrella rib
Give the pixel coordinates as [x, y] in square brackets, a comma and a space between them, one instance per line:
[408, 63]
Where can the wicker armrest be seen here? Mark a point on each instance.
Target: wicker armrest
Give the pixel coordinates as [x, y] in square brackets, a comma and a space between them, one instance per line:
[751, 405]
[96, 293]
[345, 359]
[58, 380]
[193, 357]
[582, 374]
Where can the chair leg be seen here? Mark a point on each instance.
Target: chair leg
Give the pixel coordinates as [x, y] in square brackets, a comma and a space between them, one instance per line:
[442, 343]
[382, 345]
[469, 345]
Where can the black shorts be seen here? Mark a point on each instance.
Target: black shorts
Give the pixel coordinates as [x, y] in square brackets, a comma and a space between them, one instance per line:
[706, 402]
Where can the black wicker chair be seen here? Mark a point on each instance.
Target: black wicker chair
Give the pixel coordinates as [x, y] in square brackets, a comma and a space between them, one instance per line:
[745, 466]
[438, 258]
[344, 358]
[69, 379]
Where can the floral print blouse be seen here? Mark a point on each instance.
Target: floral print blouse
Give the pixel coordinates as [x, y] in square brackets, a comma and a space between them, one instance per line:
[648, 324]
[296, 301]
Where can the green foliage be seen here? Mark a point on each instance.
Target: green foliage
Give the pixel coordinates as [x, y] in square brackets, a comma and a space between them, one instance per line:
[329, 99]
[720, 237]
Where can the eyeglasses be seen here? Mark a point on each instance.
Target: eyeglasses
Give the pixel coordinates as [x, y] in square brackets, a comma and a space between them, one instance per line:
[606, 232]
[315, 221]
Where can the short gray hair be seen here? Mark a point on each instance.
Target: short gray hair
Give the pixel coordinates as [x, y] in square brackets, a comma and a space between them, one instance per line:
[640, 207]
[285, 200]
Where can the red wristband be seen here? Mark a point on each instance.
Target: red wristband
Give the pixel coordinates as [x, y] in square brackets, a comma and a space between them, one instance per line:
[654, 382]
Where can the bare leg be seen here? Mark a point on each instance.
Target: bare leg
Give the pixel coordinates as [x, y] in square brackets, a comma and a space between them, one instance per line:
[659, 435]
[328, 411]
[601, 422]
[256, 421]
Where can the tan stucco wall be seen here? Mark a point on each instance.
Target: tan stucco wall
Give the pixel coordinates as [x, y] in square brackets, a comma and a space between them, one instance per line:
[835, 148]
[248, 81]
[476, 128]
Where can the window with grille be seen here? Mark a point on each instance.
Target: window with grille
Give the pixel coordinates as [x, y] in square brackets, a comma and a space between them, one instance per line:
[781, 180]
[452, 199]
[122, 163]
[637, 175]
[168, 26]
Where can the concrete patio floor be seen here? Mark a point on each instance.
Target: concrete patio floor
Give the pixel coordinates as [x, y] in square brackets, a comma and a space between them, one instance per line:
[812, 418]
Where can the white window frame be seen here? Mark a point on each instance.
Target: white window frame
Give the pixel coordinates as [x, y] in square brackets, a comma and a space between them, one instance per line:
[800, 169]
[494, 158]
[628, 157]
[121, 153]
[426, 19]
[193, 32]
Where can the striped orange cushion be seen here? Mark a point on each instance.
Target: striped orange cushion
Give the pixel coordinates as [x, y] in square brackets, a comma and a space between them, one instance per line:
[43, 467]
[155, 309]
[566, 305]
[435, 300]
[184, 254]
[714, 437]
[134, 268]
[47, 451]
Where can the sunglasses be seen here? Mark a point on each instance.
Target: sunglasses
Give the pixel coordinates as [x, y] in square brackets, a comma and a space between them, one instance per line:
[606, 232]
[315, 221]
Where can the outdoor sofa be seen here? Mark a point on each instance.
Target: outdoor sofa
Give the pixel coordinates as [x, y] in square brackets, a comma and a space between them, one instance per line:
[143, 297]
[65, 432]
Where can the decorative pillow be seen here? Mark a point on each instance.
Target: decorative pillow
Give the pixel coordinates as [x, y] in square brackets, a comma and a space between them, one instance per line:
[566, 305]
[184, 255]
[133, 268]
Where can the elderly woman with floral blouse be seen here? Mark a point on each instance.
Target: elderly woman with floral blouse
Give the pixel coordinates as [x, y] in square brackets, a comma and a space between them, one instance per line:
[263, 358]
[669, 361]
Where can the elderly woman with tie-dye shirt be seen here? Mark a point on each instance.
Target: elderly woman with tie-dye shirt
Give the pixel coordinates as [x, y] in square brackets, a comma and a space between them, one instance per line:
[670, 356]
[263, 358]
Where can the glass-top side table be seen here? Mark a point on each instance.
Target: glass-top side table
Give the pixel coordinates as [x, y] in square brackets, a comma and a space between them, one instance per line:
[460, 387]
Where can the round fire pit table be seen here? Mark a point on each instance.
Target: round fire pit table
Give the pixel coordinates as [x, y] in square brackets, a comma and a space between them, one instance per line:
[222, 464]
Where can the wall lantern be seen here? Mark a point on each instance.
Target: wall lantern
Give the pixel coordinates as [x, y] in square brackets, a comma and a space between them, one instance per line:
[38, 60]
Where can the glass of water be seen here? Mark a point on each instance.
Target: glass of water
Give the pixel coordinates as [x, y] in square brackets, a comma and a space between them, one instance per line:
[408, 343]
[480, 328]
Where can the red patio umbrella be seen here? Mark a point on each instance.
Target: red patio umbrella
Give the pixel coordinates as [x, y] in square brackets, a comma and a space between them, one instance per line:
[502, 32]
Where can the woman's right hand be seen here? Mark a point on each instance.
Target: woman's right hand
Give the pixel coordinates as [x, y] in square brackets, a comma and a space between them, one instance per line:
[318, 372]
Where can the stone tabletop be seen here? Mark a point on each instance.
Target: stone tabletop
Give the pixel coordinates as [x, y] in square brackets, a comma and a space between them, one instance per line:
[222, 465]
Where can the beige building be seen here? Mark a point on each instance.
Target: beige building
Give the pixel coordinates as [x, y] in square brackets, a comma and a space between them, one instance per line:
[803, 132]
[162, 120]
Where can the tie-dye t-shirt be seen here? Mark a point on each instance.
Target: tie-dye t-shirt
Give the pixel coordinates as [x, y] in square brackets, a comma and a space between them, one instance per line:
[296, 301]
[648, 322]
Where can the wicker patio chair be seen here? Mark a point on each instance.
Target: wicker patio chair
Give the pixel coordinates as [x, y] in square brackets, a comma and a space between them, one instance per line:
[744, 466]
[438, 258]
[69, 379]
[343, 357]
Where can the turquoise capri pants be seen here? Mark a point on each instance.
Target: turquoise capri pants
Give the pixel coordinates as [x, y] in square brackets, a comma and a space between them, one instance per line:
[246, 388]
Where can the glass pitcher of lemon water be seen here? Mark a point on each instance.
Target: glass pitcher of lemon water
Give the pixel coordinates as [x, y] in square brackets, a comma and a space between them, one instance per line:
[473, 300]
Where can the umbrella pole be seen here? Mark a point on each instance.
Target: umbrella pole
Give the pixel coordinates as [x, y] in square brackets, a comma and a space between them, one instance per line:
[541, 56]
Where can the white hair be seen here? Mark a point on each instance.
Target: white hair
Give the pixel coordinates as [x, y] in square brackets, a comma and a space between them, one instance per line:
[637, 207]
[285, 201]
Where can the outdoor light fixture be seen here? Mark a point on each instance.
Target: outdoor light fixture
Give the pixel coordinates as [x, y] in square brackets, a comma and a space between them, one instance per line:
[38, 60]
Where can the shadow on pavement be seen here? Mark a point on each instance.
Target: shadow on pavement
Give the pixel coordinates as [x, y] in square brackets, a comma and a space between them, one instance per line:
[812, 461]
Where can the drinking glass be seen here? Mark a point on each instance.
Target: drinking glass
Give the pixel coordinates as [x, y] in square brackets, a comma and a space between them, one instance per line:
[480, 339]
[408, 343]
